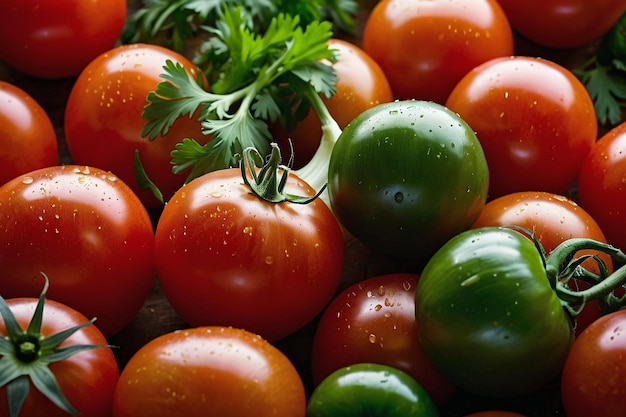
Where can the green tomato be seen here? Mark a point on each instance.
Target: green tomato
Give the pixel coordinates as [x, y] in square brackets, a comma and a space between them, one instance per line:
[488, 317]
[406, 176]
[370, 390]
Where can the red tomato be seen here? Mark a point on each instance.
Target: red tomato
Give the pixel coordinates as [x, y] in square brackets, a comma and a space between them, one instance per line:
[226, 257]
[103, 120]
[592, 382]
[563, 23]
[552, 219]
[209, 371]
[27, 137]
[87, 231]
[534, 119]
[361, 85]
[374, 321]
[601, 184]
[56, 39]
[425, 47]
[87, 378]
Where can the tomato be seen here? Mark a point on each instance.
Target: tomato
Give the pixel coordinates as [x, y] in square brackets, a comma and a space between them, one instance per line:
[103, 120]
[593, 375]
[57, 39]
[406, 176]
[487, 315]
[601, 187]
[87, 231]
[226, 256]
[87, 378]
[534, 119]
[563, 23]
[552, 219]
[374, 321]
[424, 47]
[370, 390]
[209, 371]
[28, 140]
[361, 85]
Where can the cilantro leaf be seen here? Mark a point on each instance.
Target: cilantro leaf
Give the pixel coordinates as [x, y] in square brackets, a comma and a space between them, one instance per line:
[252, 73]
[174, 22]
[606, 86]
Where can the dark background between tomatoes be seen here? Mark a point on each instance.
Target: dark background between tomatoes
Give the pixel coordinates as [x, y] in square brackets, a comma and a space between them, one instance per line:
[157, 317]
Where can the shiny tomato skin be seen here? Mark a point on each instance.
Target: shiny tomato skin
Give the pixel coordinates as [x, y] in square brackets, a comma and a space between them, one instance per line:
[57, 39]
[534, 119]
[28, 140]
[373, 321]
[87, 231]
[88, 378]
[226, 257]
[424, 47]
[361, 85]
[552, 219]
[209, 372]
[601, 184]
[592, 382]
[103, 120]
[563, 23]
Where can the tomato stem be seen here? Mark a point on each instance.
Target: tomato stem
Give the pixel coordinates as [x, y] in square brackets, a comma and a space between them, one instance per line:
[266, 182]
[561, 266]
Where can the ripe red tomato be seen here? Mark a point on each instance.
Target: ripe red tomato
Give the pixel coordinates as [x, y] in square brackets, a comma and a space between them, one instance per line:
[225, 256]
[373, 321]
[563, 23]
[57, 39]
[552, 219]
[601, 184]
[534, 119]
[87, 378]
[87, 231]
[103, 120]
[592, 382]
[209, 371]
[27, 137]
[361, 85]
[425, 47]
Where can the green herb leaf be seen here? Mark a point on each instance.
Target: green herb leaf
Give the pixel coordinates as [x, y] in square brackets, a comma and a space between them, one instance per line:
[247, 92]
[606, 86]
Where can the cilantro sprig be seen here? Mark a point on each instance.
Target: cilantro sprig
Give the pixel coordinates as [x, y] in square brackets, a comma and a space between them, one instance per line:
[604, 75]
[256, 78]
[175, 22]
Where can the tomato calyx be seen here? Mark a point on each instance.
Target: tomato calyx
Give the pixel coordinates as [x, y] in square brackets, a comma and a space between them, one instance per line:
[26, 354]
[562, 266]
[269, 181]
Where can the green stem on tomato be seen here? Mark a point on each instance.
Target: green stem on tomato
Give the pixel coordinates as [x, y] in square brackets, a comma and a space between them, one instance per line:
[601, 286]
[270, 180]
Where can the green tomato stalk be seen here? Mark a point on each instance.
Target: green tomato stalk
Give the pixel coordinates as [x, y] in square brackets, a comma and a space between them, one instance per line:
[562, 266]
[26, 354]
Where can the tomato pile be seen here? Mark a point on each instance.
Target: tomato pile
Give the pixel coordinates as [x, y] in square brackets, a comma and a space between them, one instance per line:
[312, 208]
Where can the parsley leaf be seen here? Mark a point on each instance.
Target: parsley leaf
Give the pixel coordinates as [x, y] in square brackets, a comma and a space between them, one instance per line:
[250, 74]
[604, 75]
[174, 22]
[606, 86]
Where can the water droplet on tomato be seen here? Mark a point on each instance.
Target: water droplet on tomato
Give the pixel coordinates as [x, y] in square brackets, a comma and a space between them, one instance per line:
[27, 180]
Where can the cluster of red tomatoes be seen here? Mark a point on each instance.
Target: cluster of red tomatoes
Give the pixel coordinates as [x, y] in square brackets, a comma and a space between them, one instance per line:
[245, 276]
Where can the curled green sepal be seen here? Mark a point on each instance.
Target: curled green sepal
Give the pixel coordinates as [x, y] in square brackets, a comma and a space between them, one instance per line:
[269, 181]
[26, 354]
